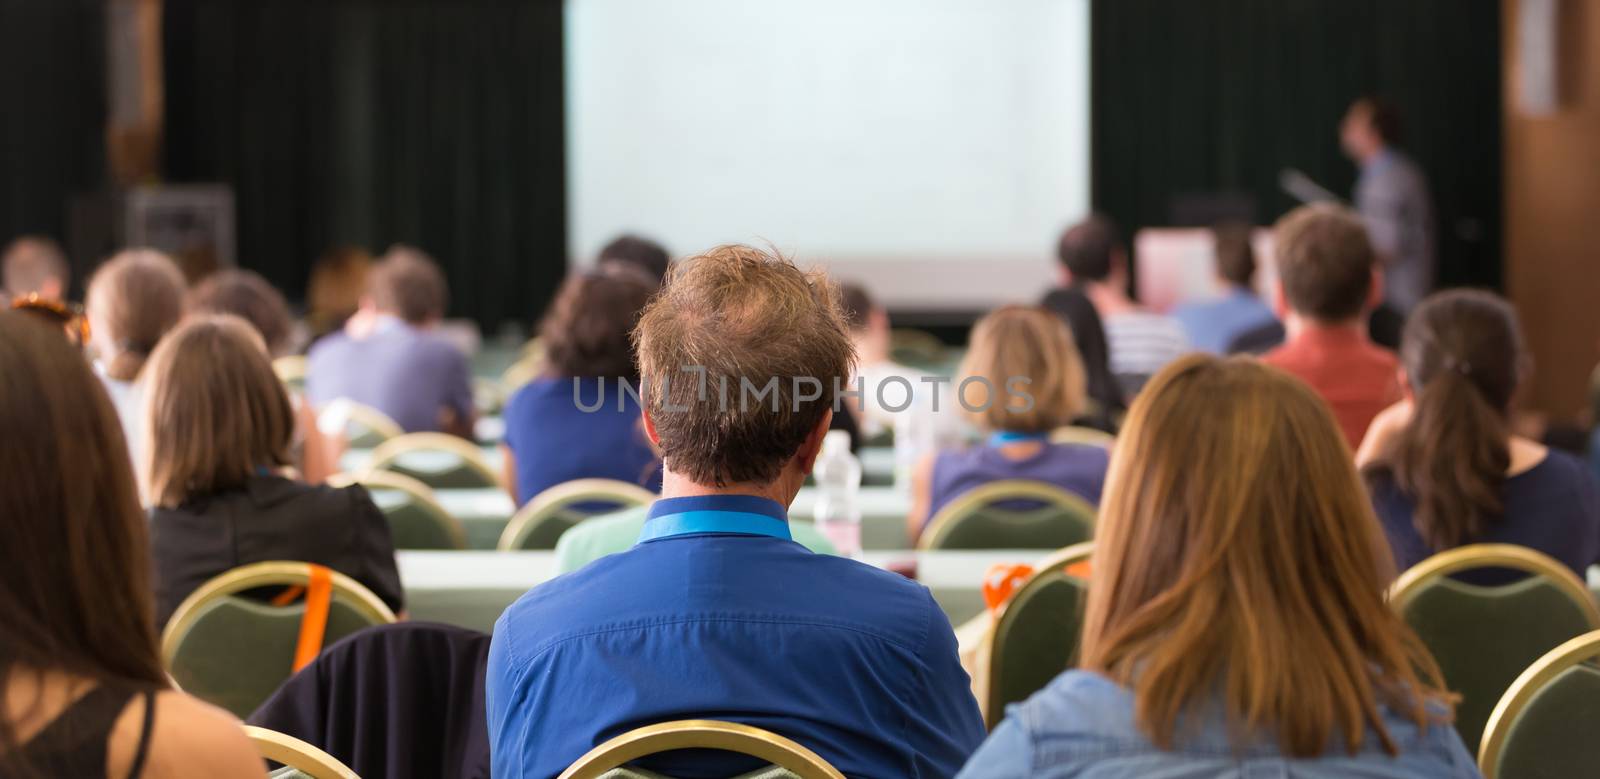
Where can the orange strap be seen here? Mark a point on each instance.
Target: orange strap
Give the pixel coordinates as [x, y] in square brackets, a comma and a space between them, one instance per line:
[1003, 580]
[314, 623]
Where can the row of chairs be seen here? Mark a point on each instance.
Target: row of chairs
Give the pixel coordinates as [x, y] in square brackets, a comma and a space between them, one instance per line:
[1525, 657]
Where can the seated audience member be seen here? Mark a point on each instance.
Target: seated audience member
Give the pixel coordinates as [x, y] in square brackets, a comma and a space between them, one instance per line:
[1444, 467]
[577, 421]
[1093, 259]
[889, 389]
[597, 537]
[1327, 281]
[1012, 342]
[246, 295]
[1236, 622]
[640, 253]
[338, 280]
[34, 265]
[134, 299]
[85, 692]
[220, 425]
[1213, 325]
[388, 356]
[716, 613]
[1106, 401]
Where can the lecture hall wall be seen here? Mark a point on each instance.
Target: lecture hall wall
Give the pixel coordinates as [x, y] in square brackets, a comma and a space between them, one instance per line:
[1552, 212]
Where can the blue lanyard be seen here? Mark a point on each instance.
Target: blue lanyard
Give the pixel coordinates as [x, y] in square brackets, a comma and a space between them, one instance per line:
[1003, 437]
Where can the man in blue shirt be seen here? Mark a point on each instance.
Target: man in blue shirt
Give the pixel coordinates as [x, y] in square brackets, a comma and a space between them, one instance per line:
[1392, 197]
[1214, 325]
[716, 613]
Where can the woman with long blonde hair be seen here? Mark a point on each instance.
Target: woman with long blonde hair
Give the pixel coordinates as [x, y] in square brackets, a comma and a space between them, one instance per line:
[1236, 617]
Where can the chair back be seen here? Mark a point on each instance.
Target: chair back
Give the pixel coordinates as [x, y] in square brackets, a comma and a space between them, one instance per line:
[1088, 436]
[299, 759]
[916, 348]
[362, 427]
[1483, 637]
[540, 524]
[1036, 634]
[416, 520]
[234, 651]
[1544, 724]
[989, 517]
[701, 734]
[443, 462]
[291, 370]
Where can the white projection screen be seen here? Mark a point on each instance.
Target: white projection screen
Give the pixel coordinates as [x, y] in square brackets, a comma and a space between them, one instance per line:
[931, 149]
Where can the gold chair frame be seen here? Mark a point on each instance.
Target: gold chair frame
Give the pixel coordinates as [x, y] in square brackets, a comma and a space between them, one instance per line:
[268, 574]
[297, 754]
[393, 449]
[366, 416]
[565, 493]
[701, 734]
[988, 653]
[419, 492]
[290, 368]
[1524, 689]
[1078, 434]
[1464, 558]
[993, 492]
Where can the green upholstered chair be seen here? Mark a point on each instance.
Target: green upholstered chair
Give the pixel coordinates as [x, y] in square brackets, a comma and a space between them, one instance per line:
[1036, 634]
[916, 348]
[982, 519]
[416, 520]
[1483, 637]
[299, 759]
[234, 651]
[361, 427]
[443, 462]
[791, 758]
[1544, 725]
[540, 524]
[627, 772]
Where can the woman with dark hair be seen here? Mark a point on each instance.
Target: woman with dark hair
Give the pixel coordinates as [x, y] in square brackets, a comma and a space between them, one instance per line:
[1105, 394]
[1444, 467]
[576, 421]
[84, 691]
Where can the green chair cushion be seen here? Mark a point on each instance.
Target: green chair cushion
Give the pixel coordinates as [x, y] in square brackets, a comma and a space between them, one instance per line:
[999, 527]
[629, 772]
[1036, 638]
[1483, 637]
[289, 772]
[1554, 735]
[543, 532]
[438, 469]
[239, 650]
[412, 524]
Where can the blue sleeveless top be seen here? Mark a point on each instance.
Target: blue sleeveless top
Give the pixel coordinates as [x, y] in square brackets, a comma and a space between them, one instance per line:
[557, 437]
[1076, 468]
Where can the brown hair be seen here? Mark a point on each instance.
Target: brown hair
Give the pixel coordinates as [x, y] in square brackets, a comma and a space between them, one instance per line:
[75, 592]
[1383, 116]
[1236, 554]
[338, 280]
[1325, 262]
[1236, 258]
[856, 304]
[1087, 248]
[586, 332]
[216, 413]
[408, 284]
[746, 316]
[248, 296]
[1033, 344]
[1462, 352]
[29, 262]
[134, 299]
[648, 256]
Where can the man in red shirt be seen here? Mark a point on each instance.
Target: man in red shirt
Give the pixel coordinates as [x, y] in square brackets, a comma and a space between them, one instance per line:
[1328, 281]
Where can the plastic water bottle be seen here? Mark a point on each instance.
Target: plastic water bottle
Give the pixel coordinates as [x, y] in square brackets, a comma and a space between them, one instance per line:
[838, 508]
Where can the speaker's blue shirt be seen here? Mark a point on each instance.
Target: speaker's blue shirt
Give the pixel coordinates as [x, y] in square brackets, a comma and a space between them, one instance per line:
[716, 614]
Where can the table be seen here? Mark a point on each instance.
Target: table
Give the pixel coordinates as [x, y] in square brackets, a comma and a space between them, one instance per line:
[485, 512]
[470, 589]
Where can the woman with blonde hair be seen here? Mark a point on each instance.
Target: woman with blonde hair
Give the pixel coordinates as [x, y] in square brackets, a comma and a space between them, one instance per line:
[220, 425]
[82, 690]
[1021, 379]
[1236, 620]
[134, 298]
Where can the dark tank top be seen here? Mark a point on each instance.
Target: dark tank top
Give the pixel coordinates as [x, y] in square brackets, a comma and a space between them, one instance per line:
[74, 744]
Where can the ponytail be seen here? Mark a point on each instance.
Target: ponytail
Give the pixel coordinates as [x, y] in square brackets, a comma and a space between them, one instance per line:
[1452, 459]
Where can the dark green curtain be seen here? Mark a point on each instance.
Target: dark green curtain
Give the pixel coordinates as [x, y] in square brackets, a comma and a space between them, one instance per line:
[52, 88]
[1220, 95]
[437, 124]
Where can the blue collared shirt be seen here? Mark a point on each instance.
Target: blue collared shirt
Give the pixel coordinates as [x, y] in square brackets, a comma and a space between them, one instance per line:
[721, 616]
[1082, 725]
[1213, 325]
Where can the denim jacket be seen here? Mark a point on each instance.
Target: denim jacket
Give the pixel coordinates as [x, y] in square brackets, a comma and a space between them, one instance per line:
[1082, 725]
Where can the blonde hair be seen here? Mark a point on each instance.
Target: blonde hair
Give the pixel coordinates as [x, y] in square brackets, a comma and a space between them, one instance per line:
[133, 300]
[1030, 343]
[216, 413]
[1236, 554]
